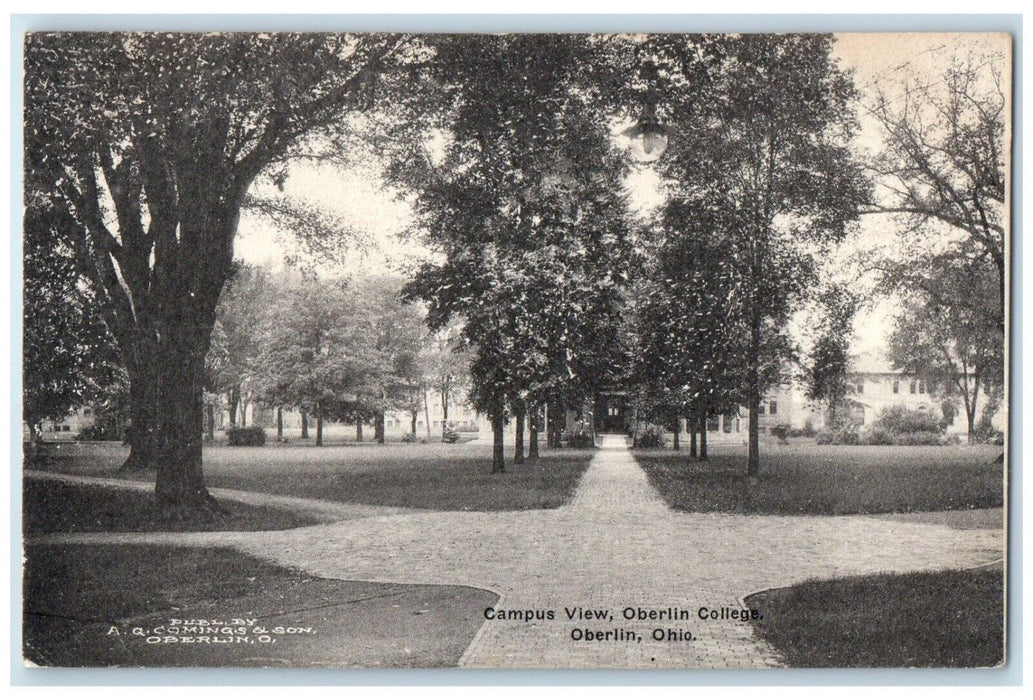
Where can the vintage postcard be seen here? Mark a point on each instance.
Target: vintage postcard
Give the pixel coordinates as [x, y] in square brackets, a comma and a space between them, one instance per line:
[509, 351]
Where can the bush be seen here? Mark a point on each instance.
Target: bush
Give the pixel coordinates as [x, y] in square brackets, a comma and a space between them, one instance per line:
[844, 435]
[580, 436]
[806, 431]
[926, 437]
[450, 435]
[900, 419]
[409, 437]
[98, 432]
[986, 432]
[877, 435]
[781, 432]
[651, 436]
[468, 428]
[245, 437]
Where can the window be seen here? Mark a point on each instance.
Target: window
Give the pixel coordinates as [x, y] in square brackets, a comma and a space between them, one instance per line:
[860, 387]
[66, 428]
[896, 386]
[86, 412]
[729, 417]
[713, 424]
[914, 384]
[760, 409]
[921, 387]
[773, 407]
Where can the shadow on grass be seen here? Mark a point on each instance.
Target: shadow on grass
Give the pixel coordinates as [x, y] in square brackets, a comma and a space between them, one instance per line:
[53, 506]
[944, 619]
[432, 476]
[167, 606]
[830, 480]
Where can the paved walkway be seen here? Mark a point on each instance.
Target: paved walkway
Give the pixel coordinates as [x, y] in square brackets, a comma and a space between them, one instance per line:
[615, 547]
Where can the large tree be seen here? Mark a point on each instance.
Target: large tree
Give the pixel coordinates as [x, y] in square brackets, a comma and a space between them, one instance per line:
[151, 142]
[523, 207]
[942, 167]
[768, 146]
[825, 374]
[947, 333]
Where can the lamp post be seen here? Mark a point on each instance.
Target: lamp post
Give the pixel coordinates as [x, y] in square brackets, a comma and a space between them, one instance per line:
[648, 137]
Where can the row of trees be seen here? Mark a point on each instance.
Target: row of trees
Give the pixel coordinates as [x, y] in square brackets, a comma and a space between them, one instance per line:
[334, 349]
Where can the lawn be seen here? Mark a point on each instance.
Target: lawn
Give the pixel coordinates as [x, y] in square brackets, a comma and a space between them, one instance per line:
[83, 603]
[432, 476]
[53, 506]
[802, 479]
[929, 620]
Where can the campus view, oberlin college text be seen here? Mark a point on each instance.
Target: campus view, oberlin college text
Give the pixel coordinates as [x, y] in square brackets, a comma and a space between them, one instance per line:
[575, 351]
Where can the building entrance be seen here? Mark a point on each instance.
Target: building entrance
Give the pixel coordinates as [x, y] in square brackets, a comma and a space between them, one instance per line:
[612, 414]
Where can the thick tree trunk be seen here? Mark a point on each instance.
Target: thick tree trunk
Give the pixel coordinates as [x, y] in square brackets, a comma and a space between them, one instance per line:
[233, 398]
[532, 426]
[143, 416]
[498, 457]
[243, 414]
[319, 429]
[179, 485]
[279, 422]
[970, 416]
[693, 426]
[415, 414]
[518, 451]
[304, 426]
[358, 430]
[378, 428]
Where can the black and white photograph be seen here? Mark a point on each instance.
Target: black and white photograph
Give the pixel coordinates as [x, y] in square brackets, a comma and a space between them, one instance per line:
[517, 350]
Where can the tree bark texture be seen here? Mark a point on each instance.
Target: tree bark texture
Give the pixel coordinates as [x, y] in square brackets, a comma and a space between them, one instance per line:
[498, 457]
[304, 426]
[279, 422]
[319, 429]
[518, 442]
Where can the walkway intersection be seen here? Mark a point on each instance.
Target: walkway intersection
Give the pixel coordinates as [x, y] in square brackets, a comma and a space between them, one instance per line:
[616, 548]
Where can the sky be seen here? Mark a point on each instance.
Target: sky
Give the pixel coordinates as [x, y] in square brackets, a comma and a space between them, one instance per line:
[358, 196]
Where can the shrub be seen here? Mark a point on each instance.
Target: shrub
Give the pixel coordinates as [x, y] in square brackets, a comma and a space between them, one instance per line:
[781, 431]
[877, 435]
[806, 431]
[580, 436]
[986, 432]
[468, 428]
[98, 432]
[409, 437]
[925, 437]
[450, 435]
[900, 419]
[245, 437]
[651, 436]
[844, 435]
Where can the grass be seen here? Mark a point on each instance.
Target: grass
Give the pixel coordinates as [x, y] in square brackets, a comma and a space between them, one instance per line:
[927, 620]
[75, 595]
[53, 506]
[432, 476]
[830, 479]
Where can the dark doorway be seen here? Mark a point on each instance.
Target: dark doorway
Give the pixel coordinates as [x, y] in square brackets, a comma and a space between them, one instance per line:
[611, 413]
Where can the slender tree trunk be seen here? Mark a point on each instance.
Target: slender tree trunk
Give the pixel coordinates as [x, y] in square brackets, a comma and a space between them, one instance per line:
[210, 421]
[498, 457]
[703, 437]
[415, 414]
[243, 414]
[319, 429]
[179, 485]
[532, 426]
[426, 412]
[279, 422]
[234, 400]
[304, 426]
[676, 443]
[692, 426]
[753, 394]
[444, 413]
[518, 453]
[358, 429]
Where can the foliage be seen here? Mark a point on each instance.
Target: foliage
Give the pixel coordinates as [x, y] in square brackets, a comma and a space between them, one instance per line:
[409, 438]
[825, 376]
[245, 437]
[946, 142]
[450, 435]
[900, 419]
[845, 434]
[580, 436]
[781, 432]
[650, 437]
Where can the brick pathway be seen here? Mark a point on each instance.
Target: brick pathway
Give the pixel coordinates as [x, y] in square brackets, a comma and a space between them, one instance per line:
[615, 547]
